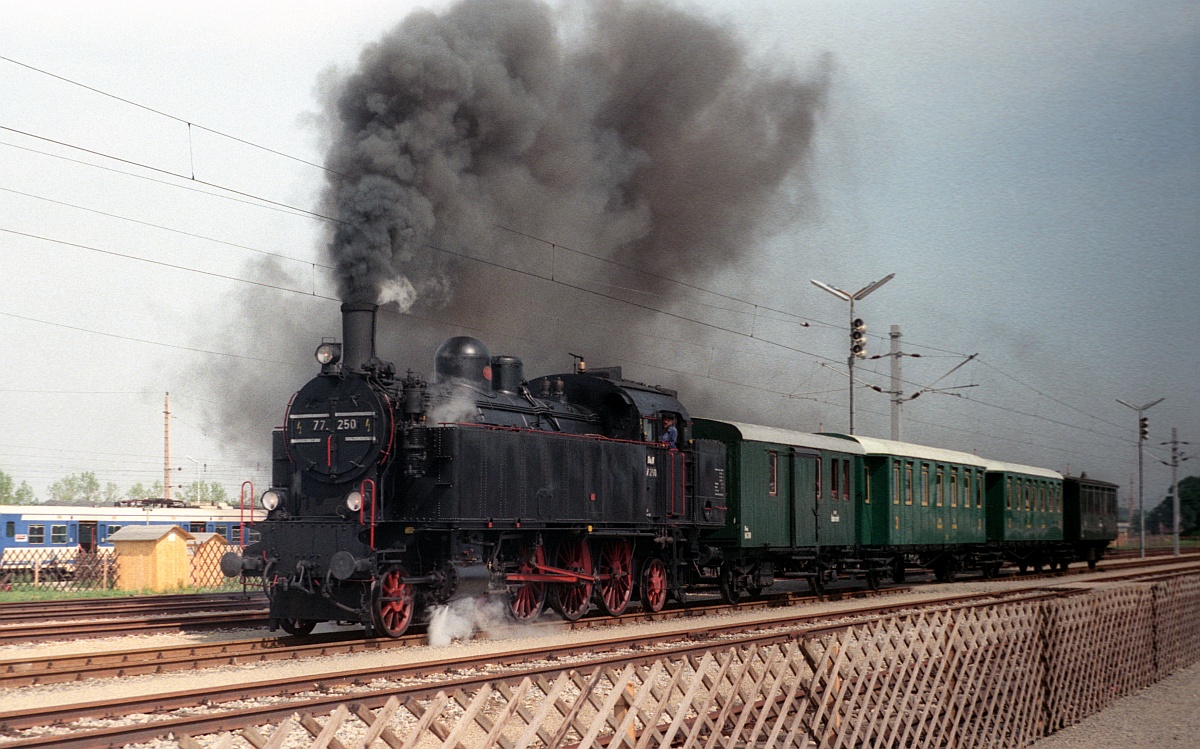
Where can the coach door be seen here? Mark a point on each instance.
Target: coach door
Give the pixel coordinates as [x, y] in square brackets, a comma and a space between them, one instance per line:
[805, 495]
[836, 511]
[87, 536]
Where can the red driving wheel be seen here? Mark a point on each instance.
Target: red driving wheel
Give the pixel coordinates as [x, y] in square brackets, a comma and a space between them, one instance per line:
[654, 584]
[614, 576]
[526, 599]
[571, 600]
[393, 602]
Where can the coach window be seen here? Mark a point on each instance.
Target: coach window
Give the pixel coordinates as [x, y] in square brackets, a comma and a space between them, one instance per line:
[197, 527]
[895, 483]
[10, 529]
[966, 488]
[58, 534]
[939, 488]
[846, 479]
[223, 531]
[1028, 496]
[772, 473]
[834, 478]
[924, 486]
[954, 487]
[37, 534]
[908, 483]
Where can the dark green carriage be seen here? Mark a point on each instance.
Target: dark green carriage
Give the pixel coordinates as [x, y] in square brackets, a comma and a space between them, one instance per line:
[1089, 516]
[786, 490]
[1025, 504]
[917, 496]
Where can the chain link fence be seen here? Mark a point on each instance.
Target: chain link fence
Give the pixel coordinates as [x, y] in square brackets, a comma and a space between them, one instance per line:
[79, 571]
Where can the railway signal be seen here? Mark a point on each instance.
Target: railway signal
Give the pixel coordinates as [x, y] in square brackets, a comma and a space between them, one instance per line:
[1143, 433]
[858, 338]
[858, 329]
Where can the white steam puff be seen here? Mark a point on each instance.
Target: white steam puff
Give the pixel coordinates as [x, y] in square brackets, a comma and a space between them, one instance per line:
[462, 618]
[398, 291]
[458, 409]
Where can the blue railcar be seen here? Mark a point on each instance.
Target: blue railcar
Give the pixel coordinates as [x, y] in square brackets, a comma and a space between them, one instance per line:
[41, 533]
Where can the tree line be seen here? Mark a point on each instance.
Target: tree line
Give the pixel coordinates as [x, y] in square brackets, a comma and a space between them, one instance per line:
[1162, 518]
[84, 489]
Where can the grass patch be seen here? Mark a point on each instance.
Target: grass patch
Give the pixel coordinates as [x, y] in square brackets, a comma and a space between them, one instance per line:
[17, 596]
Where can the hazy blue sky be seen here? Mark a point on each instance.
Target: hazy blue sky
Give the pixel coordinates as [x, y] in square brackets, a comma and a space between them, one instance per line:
[1030, 171]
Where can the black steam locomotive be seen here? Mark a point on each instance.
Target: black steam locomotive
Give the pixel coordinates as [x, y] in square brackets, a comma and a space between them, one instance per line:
[391, 494]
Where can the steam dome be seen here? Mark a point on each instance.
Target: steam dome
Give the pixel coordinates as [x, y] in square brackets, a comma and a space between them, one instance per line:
[465, 358]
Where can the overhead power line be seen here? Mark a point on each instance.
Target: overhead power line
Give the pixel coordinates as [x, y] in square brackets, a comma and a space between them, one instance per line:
[169, 116]
[168, 172]
[145, 340]
[167, 228]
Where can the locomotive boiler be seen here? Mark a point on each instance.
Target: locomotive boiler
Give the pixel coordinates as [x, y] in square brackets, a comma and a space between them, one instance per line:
[393, 493]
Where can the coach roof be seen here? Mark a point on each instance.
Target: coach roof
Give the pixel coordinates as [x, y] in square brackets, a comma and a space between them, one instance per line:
[996, 466]
[774, 435]
[872, 446]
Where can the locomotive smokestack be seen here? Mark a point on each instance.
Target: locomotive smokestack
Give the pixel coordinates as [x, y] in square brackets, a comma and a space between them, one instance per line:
[358, 335]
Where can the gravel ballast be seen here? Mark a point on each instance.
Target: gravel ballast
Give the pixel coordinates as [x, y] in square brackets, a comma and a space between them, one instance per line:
[1161, 716]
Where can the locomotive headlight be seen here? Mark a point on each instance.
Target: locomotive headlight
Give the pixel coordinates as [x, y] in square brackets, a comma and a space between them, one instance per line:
[354, 501]
[271, 500]
[329, 353]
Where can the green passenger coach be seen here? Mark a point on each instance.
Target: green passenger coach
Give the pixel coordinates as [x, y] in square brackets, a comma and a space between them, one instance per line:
[792, 500]
[819, 507]
[1025, 514]
[925, 505]
[1090, 516]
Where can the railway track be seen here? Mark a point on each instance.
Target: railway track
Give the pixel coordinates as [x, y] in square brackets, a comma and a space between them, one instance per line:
[20, 672]
[319, 690]
[62, 620]
[69, 623]
[21, 612]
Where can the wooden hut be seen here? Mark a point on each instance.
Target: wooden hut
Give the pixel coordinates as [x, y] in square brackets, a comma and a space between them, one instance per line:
[151, 557]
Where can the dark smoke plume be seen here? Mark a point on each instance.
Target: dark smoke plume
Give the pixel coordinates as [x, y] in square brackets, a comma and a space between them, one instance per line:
[630, 130]
[634, 131]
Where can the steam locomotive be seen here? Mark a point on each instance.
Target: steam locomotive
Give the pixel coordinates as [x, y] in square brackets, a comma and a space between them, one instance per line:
[391, 494]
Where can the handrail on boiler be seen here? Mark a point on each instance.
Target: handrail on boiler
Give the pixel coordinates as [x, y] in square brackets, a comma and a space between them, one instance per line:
[242, 513]
[362, 508]
[682, 484]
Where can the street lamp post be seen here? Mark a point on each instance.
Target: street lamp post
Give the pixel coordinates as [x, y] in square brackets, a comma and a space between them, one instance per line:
[1143, 433]
[857, 329]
